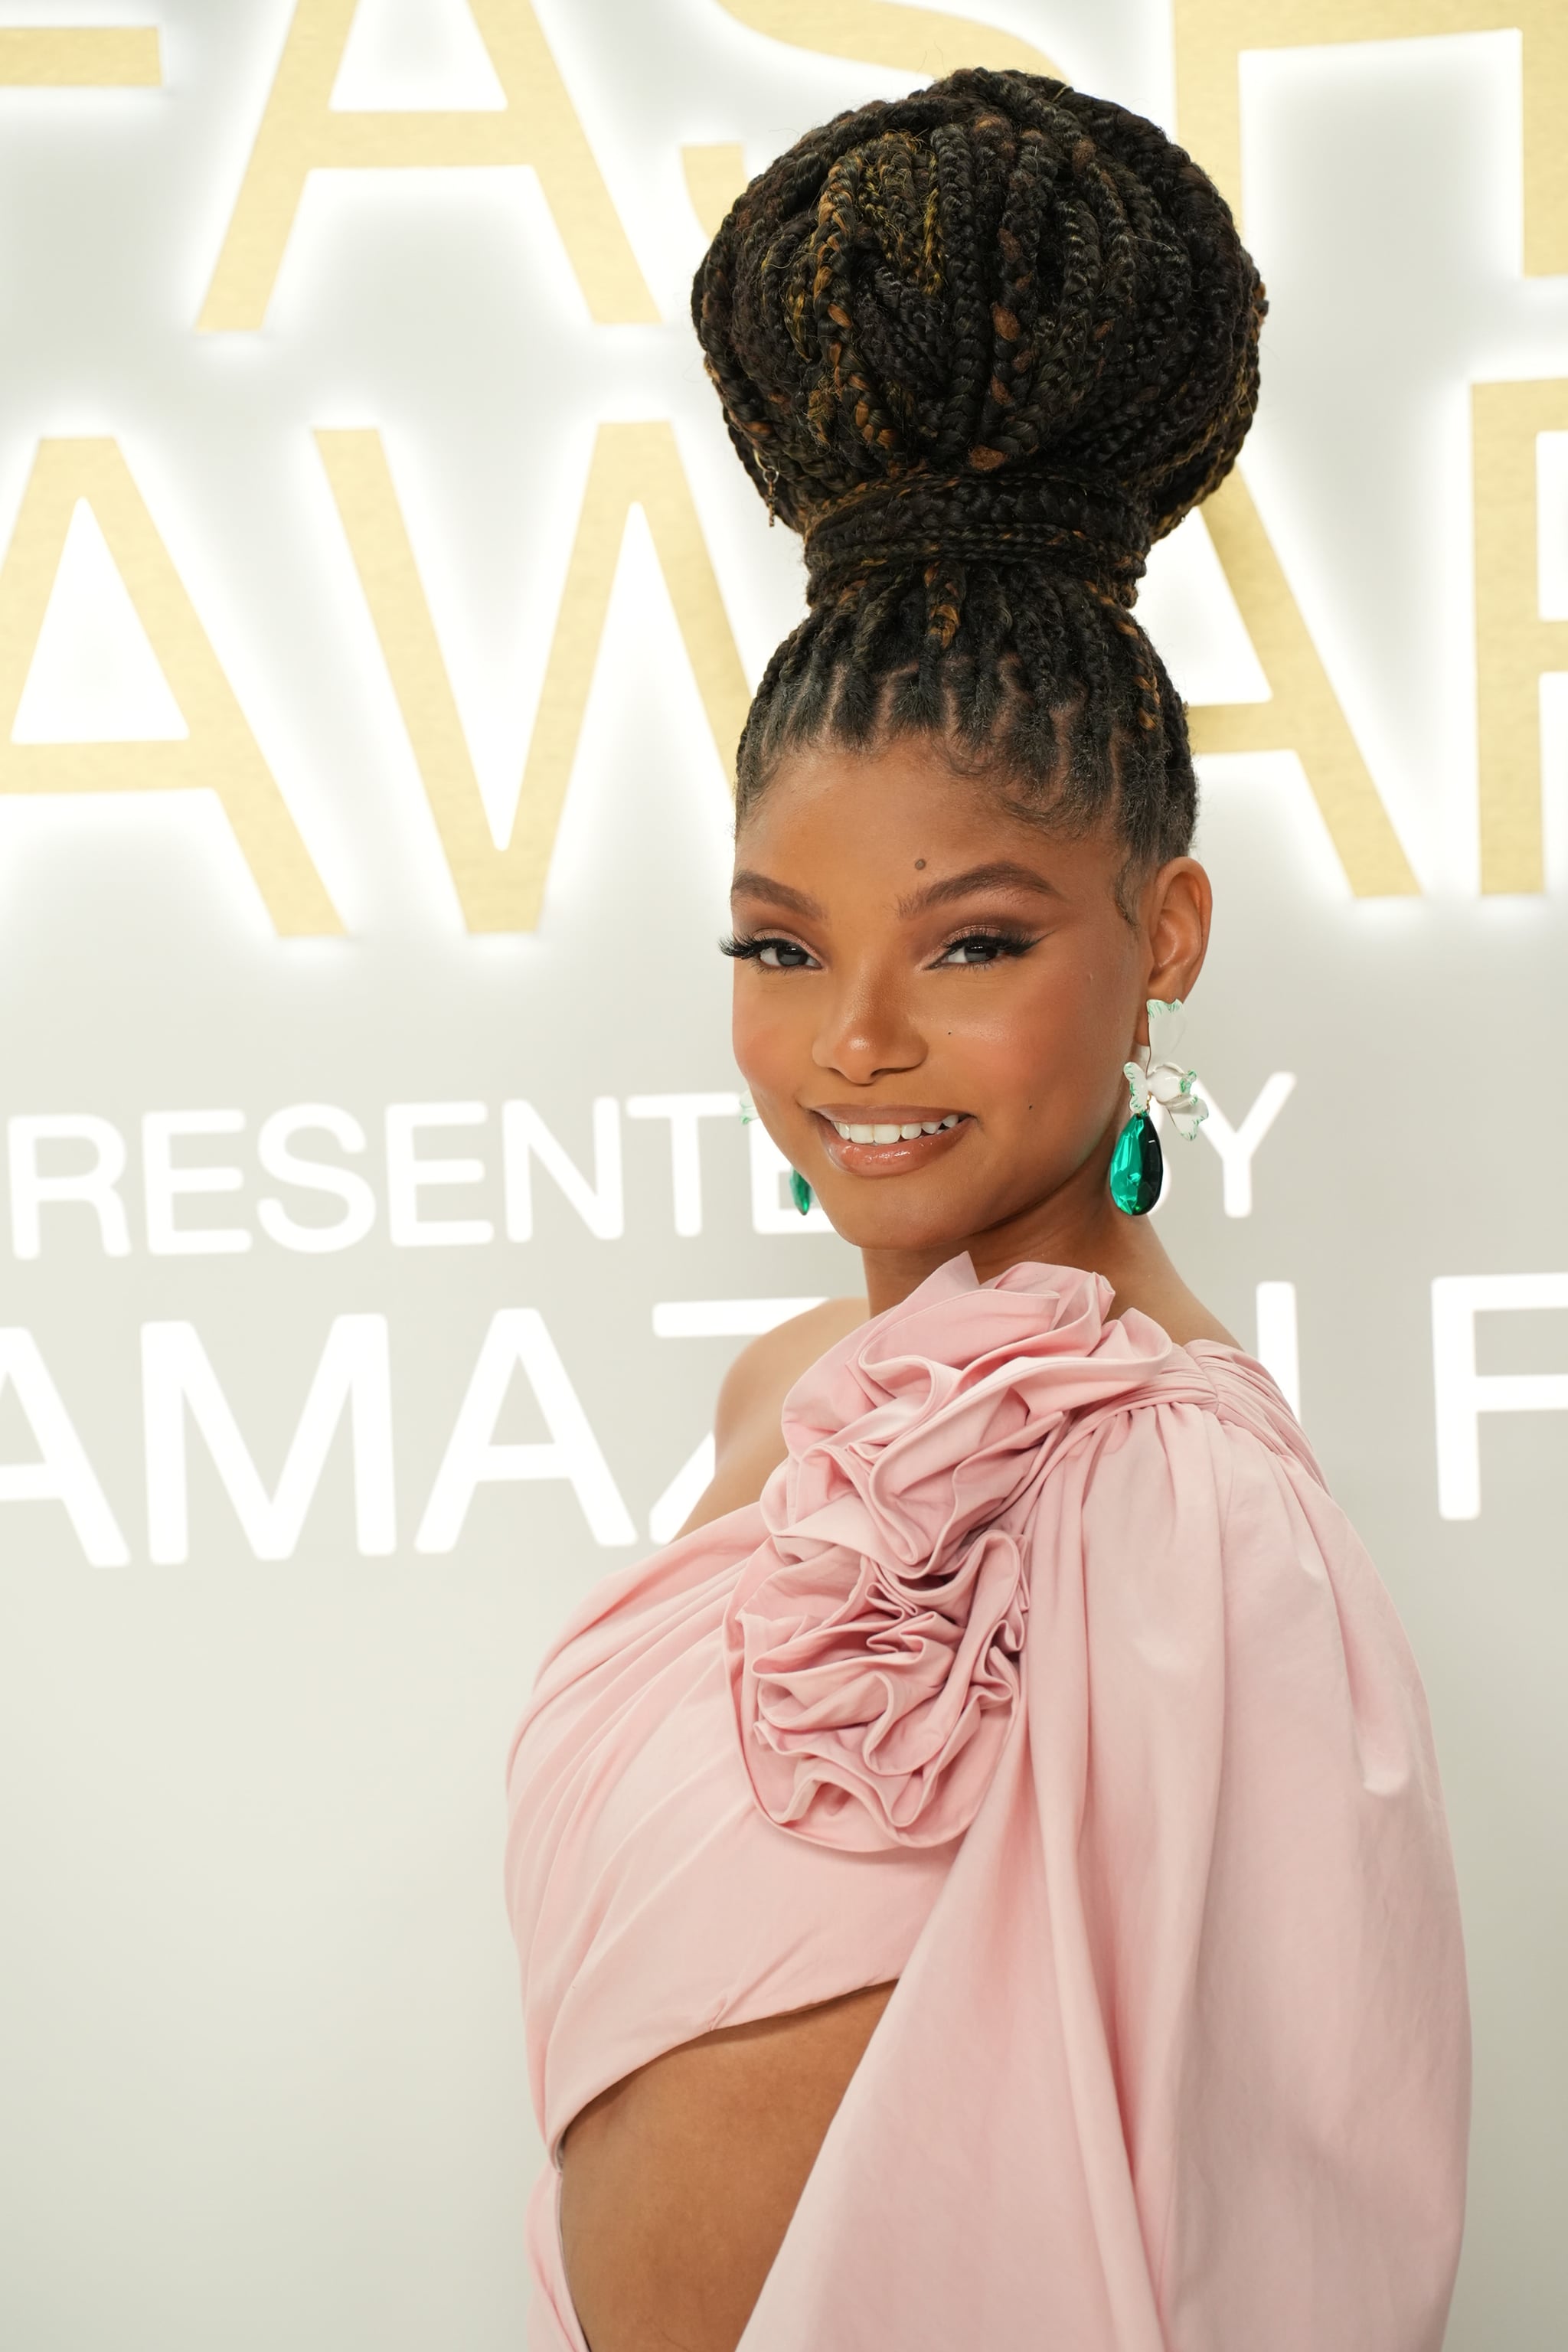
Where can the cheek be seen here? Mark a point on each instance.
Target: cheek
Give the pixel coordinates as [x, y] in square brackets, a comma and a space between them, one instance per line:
[766, 1033]
[1055, 1043]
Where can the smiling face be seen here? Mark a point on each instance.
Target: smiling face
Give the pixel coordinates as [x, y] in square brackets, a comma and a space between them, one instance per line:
[933, 1000]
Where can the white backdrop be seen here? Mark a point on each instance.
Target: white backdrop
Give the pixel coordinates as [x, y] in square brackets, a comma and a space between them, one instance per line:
[272, 1585]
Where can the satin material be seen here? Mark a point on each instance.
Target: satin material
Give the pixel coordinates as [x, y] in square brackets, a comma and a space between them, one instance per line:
[1047, 1678]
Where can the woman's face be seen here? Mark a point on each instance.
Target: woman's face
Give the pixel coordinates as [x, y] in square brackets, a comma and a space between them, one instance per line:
[914, 956]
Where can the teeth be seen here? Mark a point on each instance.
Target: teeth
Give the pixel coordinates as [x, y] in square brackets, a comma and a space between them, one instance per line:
[904, 1134]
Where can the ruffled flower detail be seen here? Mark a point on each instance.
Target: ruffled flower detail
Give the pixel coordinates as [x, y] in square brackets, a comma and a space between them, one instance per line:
[1154, 1077]
[874, 1638]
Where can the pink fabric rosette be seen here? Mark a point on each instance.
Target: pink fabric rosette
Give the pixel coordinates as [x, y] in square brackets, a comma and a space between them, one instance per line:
[873, 1639]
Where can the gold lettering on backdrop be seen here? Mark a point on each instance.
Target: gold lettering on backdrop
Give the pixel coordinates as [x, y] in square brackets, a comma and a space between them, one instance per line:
[300, 133]
[714, 178]
[1210, 36]
[1303, 713]
[632, 464]
[79, 56]
[220, 752]
[1513, 645]
[877, 33]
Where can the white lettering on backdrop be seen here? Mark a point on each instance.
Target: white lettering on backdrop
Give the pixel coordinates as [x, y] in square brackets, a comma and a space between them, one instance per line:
[353, 1378]
[62, 1473]
[93, 1186]
[61, 1165]
[353, 1375]
[1463, 1394]
[47, 1174]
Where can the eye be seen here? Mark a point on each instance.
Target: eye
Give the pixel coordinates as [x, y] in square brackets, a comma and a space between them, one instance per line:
[982, 948]
[777, 954]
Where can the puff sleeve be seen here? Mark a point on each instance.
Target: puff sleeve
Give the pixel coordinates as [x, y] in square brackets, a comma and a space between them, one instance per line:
[1181, 2063]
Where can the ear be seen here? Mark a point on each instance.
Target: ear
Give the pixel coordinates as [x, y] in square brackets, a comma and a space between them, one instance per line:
[1178, 904]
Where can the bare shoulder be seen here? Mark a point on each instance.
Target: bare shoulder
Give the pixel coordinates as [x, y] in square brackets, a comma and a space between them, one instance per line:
[748, 1440]
[1178, 1312]
[762, 1374]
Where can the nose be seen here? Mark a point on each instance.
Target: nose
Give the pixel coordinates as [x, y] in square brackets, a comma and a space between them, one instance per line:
[869, 1033]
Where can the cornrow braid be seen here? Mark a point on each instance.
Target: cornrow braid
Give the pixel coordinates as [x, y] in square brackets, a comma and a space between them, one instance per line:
[981, 347]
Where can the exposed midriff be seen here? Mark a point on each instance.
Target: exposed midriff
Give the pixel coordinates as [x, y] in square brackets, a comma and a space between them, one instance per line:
[677, 2183]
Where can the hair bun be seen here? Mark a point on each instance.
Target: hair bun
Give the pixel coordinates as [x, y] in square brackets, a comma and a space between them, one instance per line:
[997, 321]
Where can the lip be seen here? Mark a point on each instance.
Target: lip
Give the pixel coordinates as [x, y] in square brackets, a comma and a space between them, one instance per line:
[900, 1158]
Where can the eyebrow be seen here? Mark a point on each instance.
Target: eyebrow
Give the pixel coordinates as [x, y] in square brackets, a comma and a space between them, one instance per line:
[751, 885]
[1003, 873]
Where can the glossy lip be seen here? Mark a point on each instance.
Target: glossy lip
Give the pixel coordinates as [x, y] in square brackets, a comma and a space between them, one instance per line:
[900, 1158]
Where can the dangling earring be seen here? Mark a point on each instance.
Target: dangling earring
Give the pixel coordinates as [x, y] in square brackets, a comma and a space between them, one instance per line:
[799, 1190]
[1137, 1164]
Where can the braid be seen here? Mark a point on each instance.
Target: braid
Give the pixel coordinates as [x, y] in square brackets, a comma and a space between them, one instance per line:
[982, 347]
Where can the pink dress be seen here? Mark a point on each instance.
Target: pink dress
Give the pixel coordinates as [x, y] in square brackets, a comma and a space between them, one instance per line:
[1047, 1678]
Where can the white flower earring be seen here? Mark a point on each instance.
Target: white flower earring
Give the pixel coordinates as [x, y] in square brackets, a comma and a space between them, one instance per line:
[1137, 1164]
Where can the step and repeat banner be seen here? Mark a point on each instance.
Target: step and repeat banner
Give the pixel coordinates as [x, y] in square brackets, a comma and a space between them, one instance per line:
[379, 604]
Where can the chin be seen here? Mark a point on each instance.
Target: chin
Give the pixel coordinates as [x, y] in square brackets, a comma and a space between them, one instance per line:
[870, 1225]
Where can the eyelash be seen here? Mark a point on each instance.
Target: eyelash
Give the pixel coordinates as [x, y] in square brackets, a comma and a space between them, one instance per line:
[1006, 944]
[749, 949]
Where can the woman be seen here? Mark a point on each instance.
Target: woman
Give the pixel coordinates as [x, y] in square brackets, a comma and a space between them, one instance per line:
[986, 1883]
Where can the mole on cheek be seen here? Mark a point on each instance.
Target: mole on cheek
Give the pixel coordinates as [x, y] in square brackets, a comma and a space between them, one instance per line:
[919, 864]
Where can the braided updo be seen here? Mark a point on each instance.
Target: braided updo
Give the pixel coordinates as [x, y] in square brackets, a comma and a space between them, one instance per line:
[982, 346]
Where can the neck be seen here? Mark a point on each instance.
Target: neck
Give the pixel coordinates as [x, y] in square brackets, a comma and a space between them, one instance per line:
[1080, 1226]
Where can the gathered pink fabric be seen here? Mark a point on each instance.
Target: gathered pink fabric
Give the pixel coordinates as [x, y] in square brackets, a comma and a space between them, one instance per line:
[1047, 1678]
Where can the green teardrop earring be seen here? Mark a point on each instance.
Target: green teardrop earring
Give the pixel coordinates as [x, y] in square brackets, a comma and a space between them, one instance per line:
[1137, 1166]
